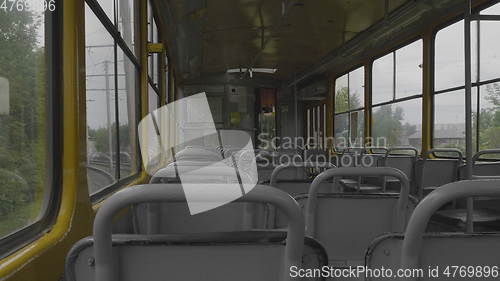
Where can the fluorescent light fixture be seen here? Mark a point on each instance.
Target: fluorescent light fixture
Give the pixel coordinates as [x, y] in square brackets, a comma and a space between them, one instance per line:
[259, 70]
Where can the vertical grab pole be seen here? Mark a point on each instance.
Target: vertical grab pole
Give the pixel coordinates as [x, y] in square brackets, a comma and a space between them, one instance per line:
[468, 110]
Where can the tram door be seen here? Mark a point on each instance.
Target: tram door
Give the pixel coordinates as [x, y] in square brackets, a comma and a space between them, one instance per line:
[266, 118]
[315, 125]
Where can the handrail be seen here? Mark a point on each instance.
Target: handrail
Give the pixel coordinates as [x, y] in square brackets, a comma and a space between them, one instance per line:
[291, 165]
[412, 243]
[372, 148]
[484, 152]
[174, 193]
[476, 158]
[399, 219]
[443, 150]
[402, 148]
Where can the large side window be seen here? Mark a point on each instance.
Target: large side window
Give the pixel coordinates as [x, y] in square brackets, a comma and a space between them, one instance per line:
[449, 86]
[397, 97]
[26, 132]
[349, 109]
[112, 96]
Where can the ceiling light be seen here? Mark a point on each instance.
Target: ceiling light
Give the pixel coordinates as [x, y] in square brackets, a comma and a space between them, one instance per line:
[259, 70]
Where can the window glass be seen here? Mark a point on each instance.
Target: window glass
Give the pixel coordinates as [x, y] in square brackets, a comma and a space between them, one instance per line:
[489, 116]
[154, 68]
[341, 131]
[398, 124]
[409, 70]
[126, 21]
[449, 56]
[357, 88]
[383, 77]
[101, 117]
[153, 99]
[167, 80]
[23, 127]
[489, 50]
[493, 10]
[108, 7]
[356, 124]
[449, 120]
[341, 94]
[127, 76]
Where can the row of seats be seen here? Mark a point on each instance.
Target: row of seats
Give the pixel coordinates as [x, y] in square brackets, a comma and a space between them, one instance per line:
[256, 237]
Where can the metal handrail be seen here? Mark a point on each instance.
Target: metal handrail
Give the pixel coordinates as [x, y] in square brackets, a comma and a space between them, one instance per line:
[443, 150]
[104, 270]
[402, 148]
[399, 219]
[292, 165]
[476, 158]
[413, 240]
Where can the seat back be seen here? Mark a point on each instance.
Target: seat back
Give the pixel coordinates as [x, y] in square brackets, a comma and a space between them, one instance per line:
[215, 256]
[437, 172]
[226, 256]
[416, 250]
[174, 217]
[404, 160]
[490, 169]
[438, 250]
[346, 223]
[283, 178]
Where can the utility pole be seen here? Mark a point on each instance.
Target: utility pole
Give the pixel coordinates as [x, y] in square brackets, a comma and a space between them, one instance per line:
[108, 111]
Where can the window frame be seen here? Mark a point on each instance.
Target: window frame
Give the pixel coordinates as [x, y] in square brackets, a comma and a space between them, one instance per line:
[349, 111]
[120, 43]
[155, 66]
[53, 118]
[394, 99]
[393, 51]
[476, 83]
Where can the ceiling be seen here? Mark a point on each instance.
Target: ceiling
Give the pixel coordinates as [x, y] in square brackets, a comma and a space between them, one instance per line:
[211, 36]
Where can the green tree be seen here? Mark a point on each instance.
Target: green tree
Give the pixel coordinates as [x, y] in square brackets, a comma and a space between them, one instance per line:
[22, 140]
[388, 124]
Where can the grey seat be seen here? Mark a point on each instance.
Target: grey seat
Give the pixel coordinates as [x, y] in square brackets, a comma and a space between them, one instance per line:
[293, 179]
[346, 223]
[248, 255]
[359, 157]
[432, 173]
[486, 215]
[418, 250]
[402, 158]
[174, 217]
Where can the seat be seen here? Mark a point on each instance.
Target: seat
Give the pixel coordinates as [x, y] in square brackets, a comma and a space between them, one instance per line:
[346, 223]
[432, 173]
[292, 178]
[402, 158]
[227, 256]
[357, 157]
[486, 215]
[175, 217]
[268, 160]
[419, 250]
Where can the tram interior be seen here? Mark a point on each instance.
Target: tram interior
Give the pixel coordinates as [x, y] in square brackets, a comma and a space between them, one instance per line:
[258, 140]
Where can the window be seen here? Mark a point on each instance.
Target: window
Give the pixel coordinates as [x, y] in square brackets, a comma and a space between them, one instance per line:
[153, 63]
[26, 154]
[397, 97]
[112, 103]
[349, 109]
[153, 99]
[449, 99]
